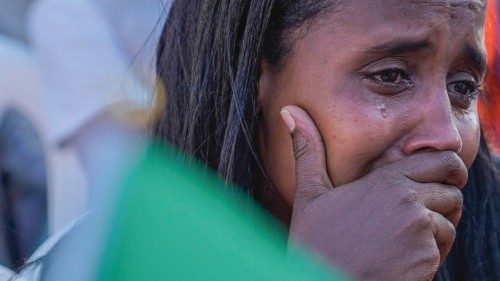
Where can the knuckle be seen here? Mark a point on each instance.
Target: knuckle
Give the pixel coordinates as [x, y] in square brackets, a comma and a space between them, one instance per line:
[448, 237]
[451, 161]
[430, 263]
[449, 233]
[301, 145]
[391, 170]
[421, 220]
[408, 198]
[309, 187]
[388, 175]
[424, 220]
[457, 199]
[307, 176]
[452, 232]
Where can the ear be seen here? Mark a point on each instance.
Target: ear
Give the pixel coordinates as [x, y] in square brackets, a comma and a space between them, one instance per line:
[263, 85]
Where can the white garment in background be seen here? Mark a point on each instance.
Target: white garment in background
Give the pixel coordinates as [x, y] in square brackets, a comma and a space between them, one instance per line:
[87, 51]
[18, 80]
[91, 55]
[137, 24]
[12, 17]
[19, 88]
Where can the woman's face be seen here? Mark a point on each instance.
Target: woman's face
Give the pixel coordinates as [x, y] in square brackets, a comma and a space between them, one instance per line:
[382, 79]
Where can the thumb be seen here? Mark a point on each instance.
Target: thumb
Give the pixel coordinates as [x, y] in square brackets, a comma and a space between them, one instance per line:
[311, 176]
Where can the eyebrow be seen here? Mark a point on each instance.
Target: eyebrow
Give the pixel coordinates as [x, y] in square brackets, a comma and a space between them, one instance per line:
[476, 58]
[401, 46]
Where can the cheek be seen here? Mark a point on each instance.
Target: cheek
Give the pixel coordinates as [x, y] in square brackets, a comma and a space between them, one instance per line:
[356, 130]
[361, 134]
[469, 129]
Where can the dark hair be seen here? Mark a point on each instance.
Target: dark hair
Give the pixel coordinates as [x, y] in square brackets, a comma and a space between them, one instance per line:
[209, 59]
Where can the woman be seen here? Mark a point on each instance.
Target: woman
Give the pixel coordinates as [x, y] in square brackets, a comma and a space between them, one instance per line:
[379, 98]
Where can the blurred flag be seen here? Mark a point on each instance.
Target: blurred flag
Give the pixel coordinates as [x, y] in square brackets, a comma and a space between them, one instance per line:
[174, 220]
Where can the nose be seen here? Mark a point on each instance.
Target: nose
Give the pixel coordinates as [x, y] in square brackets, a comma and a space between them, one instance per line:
[434, 127]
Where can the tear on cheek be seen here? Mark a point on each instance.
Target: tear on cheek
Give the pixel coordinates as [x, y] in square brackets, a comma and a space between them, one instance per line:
[383, 110]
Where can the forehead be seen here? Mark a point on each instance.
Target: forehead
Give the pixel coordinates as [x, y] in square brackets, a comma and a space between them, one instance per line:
[450, 30]
[440, 10]
[444, 20]
[448, 10]
[448, 5]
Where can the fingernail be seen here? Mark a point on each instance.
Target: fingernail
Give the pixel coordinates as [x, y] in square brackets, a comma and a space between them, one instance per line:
[288, 118]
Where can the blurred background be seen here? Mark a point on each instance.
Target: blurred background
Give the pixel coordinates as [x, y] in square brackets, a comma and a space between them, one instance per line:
[76, 84]
[76, 91]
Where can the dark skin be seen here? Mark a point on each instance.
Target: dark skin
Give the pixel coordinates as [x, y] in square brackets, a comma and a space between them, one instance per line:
[382, 114]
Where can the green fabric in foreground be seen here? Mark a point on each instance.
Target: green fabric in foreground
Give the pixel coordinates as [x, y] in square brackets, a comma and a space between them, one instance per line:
[176, 221]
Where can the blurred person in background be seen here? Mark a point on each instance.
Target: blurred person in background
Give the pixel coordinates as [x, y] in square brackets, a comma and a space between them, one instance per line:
[82, 72]
[23, 177]
[96, 65]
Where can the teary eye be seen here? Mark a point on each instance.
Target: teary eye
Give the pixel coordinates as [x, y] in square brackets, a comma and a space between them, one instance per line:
[392, 76]
[388, 81]
[465, 88]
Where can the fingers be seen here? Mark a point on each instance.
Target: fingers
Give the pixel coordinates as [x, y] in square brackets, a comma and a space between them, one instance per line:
[444, 234]
[310, 161]
[443, 204]
[446, 200]
[437, 166]
[442, 174]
